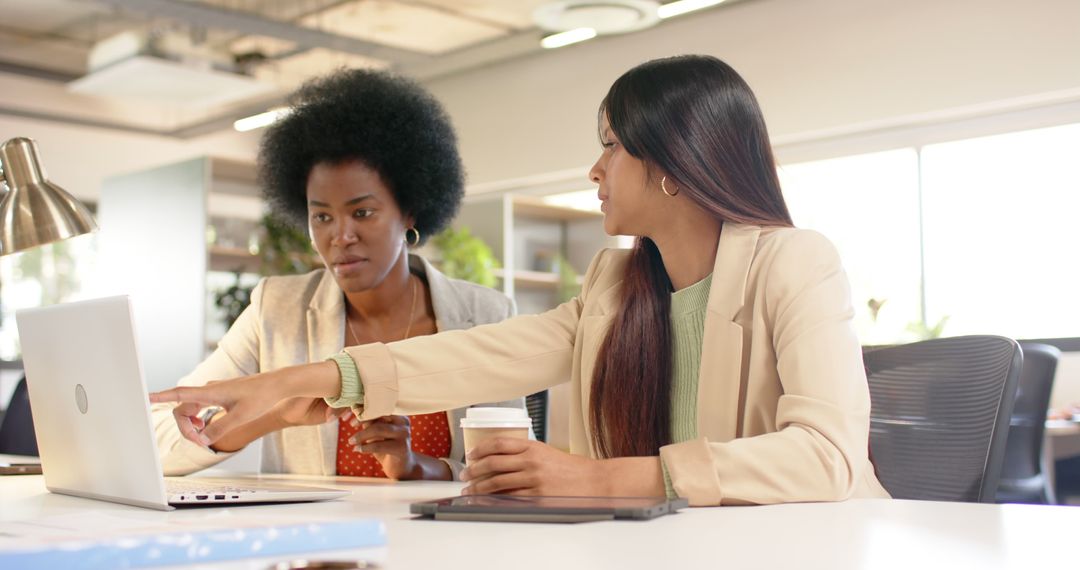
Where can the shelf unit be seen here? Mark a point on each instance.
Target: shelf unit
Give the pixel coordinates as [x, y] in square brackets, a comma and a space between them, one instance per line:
[525, 233]
[526, 279]
[225, 258]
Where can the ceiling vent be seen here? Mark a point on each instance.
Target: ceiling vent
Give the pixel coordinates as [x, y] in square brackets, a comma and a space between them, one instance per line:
[603, 16]
[167, 69]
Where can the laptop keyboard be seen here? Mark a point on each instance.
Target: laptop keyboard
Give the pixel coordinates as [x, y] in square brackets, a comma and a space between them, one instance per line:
[204, 490]
[181, 490]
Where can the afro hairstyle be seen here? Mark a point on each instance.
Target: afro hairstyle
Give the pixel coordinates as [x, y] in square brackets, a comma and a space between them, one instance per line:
[388, 123]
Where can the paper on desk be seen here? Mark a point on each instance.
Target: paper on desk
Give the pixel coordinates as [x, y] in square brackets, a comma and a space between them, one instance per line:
[98, 540]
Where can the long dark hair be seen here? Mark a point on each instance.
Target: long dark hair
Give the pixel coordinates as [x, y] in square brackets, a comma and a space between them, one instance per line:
[694, 119]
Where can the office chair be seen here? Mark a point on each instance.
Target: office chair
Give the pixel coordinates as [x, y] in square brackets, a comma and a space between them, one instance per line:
[17, 427]
[537, 406]
[1022, 477]
[939, 416]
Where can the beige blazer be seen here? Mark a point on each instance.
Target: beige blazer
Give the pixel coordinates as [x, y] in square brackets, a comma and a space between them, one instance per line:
[783, 405]
[300, 319]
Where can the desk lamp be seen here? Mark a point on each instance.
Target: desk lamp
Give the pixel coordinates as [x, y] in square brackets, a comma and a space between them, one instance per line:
[35, 211]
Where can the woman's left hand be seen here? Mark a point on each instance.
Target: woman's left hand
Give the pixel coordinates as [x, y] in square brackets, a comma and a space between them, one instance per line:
[389, 439]
[525, 467]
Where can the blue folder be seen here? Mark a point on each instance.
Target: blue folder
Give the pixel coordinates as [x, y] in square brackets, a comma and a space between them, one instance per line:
[144, 551]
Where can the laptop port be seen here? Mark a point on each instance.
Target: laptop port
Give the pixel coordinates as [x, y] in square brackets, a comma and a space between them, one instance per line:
[219, 497]
[236, 496]
[201, 497]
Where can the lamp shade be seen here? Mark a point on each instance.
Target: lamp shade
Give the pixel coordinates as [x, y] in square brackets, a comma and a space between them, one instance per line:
[35, 211]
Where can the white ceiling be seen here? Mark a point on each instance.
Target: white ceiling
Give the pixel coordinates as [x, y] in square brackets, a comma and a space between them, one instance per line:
[45, 46]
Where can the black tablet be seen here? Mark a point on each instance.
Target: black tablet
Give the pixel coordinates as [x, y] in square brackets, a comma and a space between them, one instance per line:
[510, 508]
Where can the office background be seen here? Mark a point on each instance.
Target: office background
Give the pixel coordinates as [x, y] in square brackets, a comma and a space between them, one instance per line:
[934, 142]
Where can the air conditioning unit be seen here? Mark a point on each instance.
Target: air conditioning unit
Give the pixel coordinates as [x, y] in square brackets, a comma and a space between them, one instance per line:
[167, 69]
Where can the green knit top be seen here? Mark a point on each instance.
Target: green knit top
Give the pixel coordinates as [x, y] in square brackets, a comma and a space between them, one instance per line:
[688, 308]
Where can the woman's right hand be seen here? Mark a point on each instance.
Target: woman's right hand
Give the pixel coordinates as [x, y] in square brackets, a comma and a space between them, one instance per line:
[246, 399]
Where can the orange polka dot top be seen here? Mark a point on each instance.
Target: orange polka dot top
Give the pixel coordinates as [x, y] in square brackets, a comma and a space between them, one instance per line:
[430, 436]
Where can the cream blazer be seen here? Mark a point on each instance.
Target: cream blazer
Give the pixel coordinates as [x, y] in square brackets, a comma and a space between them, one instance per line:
[300, 319]
[783, 405]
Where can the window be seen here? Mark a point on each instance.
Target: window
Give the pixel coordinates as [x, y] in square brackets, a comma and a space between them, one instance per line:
[1000, 227]
[999, 220]
[44, 275]
[867, 205]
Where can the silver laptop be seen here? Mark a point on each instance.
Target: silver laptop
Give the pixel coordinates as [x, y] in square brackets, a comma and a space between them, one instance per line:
[92, 414]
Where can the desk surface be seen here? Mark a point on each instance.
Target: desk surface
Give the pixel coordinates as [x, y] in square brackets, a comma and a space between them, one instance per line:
[1059, 428]
[864, 534]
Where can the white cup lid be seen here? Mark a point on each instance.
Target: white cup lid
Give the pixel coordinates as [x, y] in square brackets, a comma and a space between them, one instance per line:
[496, 418]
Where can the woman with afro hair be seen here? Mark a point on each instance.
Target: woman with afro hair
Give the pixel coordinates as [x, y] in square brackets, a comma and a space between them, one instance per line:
[368, 162]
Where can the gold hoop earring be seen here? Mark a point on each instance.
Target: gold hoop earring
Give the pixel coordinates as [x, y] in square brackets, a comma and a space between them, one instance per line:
[664, 188]
[415, 242]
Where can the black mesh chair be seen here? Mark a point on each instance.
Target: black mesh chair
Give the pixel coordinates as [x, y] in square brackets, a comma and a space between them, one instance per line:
[17, 427]
[1022, 476]
[537, 406]
[940, 416]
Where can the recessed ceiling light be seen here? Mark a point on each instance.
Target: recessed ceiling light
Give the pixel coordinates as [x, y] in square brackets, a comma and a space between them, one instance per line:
[683, 6]
[261, 120]
[568, 37]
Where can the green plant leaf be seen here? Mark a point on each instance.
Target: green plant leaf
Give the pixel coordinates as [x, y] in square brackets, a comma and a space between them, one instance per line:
[465, 256]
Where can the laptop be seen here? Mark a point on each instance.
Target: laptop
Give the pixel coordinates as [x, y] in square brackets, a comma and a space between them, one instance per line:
[92, 414]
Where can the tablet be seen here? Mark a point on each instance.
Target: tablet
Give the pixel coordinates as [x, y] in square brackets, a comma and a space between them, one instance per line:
[510, 508]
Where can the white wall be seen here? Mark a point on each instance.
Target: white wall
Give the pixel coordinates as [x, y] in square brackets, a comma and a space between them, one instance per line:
[152, 248]
[818, 67]
[80, 158]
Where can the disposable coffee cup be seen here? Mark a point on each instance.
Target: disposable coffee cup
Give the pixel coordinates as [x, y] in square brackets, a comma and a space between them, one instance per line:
[482, 424]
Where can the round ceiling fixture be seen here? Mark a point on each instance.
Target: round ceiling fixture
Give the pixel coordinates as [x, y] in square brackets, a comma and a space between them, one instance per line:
[604, 16]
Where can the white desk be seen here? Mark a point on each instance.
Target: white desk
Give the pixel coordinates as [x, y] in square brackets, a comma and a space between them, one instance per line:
[1062, 438]
[862, 534]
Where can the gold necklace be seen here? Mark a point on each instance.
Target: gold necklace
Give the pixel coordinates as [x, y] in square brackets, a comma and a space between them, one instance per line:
[408, 329]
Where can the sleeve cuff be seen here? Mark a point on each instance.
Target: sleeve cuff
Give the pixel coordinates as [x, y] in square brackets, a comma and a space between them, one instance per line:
[352, 390]
[379, 394]
[693, 476]
[669, 489]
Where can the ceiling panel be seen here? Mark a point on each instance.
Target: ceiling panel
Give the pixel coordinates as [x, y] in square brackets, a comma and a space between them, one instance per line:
[52, 56]
[408, 26]
[292, 71]
[46, 15]
[281, 10]
[516, 14]
[271, 47]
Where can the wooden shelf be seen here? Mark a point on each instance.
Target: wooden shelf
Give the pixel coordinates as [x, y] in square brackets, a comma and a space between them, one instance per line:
[533, 207]
[534, 279]
[224, 258]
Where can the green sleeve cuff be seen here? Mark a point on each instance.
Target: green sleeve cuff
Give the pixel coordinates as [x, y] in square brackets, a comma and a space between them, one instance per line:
[352, 390]
[669, 489]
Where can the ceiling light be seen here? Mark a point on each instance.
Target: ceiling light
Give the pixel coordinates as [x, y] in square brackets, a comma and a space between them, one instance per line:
[166, 71]
[683, 6]
[584, 19]
[566, 38]
[261, 120]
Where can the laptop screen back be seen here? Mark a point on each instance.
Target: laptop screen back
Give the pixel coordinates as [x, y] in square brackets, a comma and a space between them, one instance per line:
[89, 401]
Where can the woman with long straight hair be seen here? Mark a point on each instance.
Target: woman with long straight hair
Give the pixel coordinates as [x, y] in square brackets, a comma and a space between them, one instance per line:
[716, 360]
